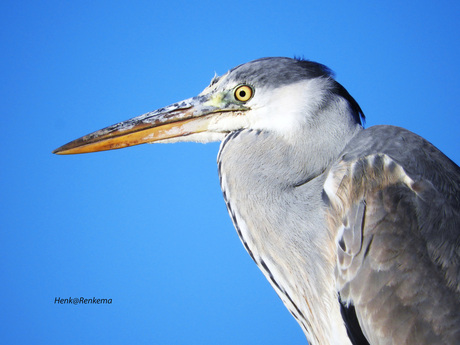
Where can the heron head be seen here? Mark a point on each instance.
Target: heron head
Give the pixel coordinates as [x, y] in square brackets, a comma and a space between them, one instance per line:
[280, 95]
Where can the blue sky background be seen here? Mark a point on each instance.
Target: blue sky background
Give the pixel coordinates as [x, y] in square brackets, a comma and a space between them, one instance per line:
[147, 226]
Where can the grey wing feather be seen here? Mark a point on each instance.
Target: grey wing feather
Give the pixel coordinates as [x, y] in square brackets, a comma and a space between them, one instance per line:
[395, 207]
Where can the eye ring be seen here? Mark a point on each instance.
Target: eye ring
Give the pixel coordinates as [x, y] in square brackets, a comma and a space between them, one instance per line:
[243, 93]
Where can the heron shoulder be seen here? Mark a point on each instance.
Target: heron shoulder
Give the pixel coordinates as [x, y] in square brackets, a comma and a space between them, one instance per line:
[393, 204]
[418, 157]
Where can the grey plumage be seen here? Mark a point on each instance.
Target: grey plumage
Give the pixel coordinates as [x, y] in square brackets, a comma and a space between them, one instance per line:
[327, 210]
[404, 280]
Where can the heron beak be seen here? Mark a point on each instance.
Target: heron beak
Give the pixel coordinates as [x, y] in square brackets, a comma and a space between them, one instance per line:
[190, 116]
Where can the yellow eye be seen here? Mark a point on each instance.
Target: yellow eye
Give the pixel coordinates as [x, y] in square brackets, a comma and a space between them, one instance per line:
[243, 93]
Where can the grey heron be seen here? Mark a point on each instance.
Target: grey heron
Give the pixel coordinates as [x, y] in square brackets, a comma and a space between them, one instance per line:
[357, 230]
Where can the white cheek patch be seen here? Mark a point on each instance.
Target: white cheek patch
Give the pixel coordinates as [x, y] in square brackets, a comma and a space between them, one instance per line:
[285, 109]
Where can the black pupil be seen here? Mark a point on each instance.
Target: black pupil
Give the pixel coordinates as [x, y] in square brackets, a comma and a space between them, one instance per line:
[242, 93]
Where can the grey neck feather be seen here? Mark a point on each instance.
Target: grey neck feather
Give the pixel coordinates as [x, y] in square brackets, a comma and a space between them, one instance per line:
[269, 185]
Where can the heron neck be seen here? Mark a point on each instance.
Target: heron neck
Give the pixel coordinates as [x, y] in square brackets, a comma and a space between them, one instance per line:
[273, 193]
